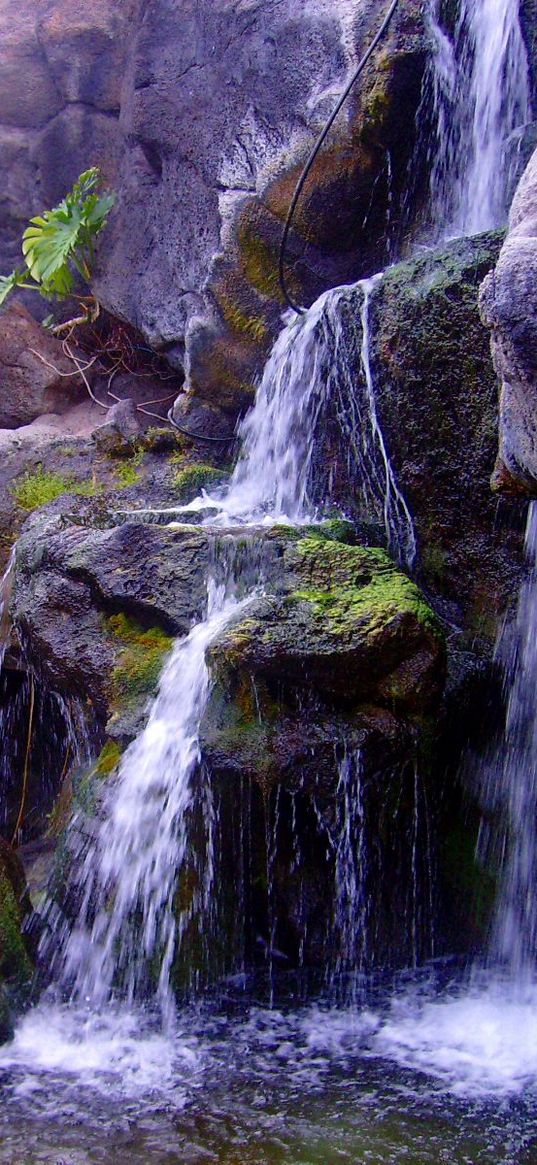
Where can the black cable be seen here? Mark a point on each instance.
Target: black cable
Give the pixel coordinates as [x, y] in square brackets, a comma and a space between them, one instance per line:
[199, 436]
[322, 136]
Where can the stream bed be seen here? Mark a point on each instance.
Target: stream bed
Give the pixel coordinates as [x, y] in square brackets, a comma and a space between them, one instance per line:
[428, 1068]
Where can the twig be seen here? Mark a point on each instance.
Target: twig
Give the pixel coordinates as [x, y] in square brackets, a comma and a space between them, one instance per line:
[75, 360]
[26, 763]
[48, 363]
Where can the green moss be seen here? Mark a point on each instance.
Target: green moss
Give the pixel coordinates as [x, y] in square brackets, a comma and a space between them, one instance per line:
[32, 490]
[126, 473]
[190, 481]
[140, 663]
[161, 440]
[351, 583]
[108, 759]
[335, 530]
[251, 326]
[259, 263]
[15, 965]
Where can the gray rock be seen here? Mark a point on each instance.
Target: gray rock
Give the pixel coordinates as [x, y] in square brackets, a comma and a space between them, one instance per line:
[509, 307]
[31, 368]
[120, 430]
[201, 115]
[69, 579]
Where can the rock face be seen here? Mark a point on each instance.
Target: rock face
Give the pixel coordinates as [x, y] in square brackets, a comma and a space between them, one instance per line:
[436, 401]
[69, 576]
[509, 307]
[33, 371]
[341, 664]
[201, 115]
[15, 961]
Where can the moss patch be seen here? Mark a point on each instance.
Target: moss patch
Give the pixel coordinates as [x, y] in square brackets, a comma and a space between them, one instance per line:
[354, 583]
[32, 490]
[15, 965]
[140, 663]
[190, 481]
[108, 759]
[248, 325]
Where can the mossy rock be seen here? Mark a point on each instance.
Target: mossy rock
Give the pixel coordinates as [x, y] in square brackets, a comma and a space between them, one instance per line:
[190, 481]
[35, 489]
[16, 967]
[349, 624]
[142, 654]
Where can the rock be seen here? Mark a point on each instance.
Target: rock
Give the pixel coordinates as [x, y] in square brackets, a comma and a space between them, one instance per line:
[436, 397]
[31, 368]
[120, 430]
[29, 95]
[78, 577]
[334, 677]
[15, 960]
[343, 642]
[223, 104]
[509, 307]
[84, 48]
[353, 628]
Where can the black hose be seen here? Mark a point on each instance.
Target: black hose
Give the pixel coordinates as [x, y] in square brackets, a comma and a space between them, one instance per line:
[200, 436]
[322, 136]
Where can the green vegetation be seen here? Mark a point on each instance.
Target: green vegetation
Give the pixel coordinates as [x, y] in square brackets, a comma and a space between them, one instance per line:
[60, 242]
[350, 583]
[14, 962]
[108, 759]
[248, 325]
[190, 481]
[259, 263]
[140, 663]
[32, 490]
[126, 473]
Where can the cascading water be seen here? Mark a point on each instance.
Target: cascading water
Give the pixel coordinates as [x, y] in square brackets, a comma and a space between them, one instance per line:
[143, 839]
[312, 370]
[509, 790]
[126, 932]
[478, 80]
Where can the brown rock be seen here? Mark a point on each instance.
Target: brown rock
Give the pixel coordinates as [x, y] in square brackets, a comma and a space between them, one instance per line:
[31, 362]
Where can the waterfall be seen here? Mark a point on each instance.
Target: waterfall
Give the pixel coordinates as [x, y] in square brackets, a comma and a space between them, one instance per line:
[285, 471]
[142, 841]
[478, 80]
[137, 861]
[6, 583]
[510, 787]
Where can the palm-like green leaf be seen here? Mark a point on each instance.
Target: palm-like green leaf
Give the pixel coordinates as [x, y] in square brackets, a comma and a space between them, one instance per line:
[49, 241]
[61, 239]
[96, 211]
[8, 283]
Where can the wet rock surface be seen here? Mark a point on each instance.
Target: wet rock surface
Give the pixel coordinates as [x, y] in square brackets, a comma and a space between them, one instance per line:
[509, 308]
[437, 402]
[34, 373]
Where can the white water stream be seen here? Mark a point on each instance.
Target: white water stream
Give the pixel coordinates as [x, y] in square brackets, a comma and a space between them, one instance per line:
[480, 93]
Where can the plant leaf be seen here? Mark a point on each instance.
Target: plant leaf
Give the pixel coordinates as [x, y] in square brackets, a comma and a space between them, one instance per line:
[96, 210]
[8, 283]
[49, 241]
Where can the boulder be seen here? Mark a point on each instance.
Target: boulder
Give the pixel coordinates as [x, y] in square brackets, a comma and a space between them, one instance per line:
[118, 434]
[32, 370]
[509, 308]
[353, 628]
[436, 400]
[73, 577]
